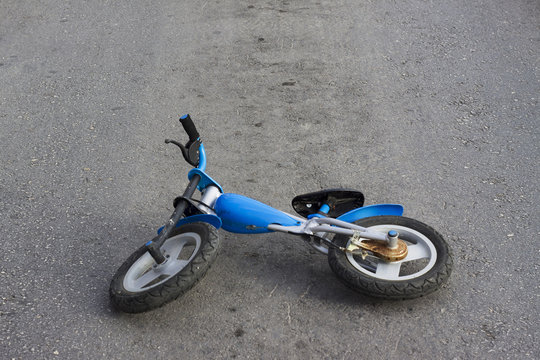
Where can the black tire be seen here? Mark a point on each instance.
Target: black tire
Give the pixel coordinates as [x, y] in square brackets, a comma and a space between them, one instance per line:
[128, 292]
[362, 275]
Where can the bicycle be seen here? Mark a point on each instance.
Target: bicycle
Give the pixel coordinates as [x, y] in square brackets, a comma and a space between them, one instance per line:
[372, 249]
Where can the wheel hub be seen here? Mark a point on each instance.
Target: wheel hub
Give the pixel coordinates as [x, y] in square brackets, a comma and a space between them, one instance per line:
[379, 248]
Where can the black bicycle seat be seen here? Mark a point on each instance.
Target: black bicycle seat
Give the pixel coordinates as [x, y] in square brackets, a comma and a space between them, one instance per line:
[340, 201]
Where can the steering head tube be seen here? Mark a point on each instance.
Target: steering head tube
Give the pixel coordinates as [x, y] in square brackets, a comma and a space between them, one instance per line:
[189, 127]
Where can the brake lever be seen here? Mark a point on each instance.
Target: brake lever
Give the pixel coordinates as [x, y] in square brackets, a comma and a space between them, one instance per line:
[167, 141]
[190, 151]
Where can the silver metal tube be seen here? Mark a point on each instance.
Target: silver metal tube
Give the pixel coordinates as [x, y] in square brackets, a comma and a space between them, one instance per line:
[340, 223]
[373, 235]
[348, 230]
[298, 230]
[209, 197]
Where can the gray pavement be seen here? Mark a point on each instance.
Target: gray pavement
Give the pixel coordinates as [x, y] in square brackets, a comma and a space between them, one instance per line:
[432, 104]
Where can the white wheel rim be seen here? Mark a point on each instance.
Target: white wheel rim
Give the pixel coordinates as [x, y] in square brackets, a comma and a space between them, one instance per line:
[419, 248]
[145, 274]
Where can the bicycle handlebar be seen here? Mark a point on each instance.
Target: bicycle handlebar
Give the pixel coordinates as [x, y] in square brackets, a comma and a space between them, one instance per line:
[189, 127]
[193, 151]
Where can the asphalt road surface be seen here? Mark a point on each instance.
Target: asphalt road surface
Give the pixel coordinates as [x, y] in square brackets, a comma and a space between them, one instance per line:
[431, 104]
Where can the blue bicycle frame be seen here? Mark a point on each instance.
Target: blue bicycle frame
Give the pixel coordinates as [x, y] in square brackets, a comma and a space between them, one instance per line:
[240, 214]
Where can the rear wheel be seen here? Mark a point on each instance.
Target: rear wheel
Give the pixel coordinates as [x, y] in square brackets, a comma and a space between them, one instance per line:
[426, 267]
[140, 284]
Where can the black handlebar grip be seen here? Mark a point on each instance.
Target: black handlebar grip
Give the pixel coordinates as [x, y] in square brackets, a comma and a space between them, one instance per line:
[189, 127]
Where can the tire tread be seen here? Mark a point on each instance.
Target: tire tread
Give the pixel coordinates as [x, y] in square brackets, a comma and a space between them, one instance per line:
[176, 286]
[395, 290]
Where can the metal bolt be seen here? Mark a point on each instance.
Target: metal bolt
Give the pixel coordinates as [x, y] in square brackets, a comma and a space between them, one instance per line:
[393, 239]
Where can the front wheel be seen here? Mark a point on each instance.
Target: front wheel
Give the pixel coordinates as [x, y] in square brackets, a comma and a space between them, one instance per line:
[426, 267]
[140, 284]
